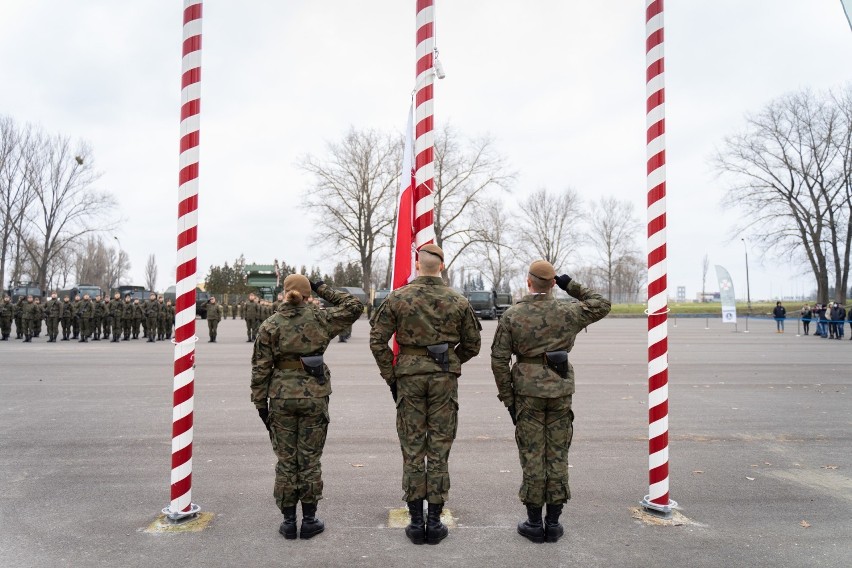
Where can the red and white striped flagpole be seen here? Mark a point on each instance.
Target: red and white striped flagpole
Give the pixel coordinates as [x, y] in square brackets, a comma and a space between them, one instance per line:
[658, 365]
[181, 505]
[424, 138]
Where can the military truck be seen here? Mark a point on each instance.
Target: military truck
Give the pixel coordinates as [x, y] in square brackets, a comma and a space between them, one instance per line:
[22, 290]
[482, 302]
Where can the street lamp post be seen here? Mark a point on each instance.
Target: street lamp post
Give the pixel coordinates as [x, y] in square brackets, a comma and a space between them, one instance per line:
[748, 285]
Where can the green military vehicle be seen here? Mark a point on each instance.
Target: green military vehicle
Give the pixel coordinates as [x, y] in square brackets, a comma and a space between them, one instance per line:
[488, 305]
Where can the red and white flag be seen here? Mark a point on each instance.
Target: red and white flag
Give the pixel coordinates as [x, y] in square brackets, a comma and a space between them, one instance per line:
[404, 247]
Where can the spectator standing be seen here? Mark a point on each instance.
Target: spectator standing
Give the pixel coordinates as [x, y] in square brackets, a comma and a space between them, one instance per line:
[780, 314]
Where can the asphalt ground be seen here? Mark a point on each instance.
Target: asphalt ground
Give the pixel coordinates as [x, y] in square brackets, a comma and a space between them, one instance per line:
[760, 447]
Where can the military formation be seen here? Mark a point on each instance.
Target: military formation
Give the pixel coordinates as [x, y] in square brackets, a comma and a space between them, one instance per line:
[435, 331]
[87, 319]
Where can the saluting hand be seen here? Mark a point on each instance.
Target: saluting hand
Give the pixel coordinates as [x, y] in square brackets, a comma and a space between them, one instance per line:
[563, 281]
[315, 285]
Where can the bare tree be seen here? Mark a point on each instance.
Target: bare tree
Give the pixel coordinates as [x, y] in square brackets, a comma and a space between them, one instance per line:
[65, 206]
[790, 179]
[612, 231]
[549, 226]
[151, 273]
[492, 248]
[354, 191]
[14, 193]
[464, 170]
[705, 268]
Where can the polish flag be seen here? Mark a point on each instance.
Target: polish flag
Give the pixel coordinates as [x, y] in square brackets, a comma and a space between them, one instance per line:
[404, 249]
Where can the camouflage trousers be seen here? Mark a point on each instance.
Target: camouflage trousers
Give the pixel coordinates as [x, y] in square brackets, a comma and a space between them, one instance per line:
[86, 327]
[152, 327]
[250, 328]
[298, 428]
[107, 326]
[212, 327]
[543, 434]
[5, 325]
[426, 422]
[52, 326]
[66, 325]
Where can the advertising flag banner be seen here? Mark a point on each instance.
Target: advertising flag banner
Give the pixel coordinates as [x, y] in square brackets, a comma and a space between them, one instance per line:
[726, 291]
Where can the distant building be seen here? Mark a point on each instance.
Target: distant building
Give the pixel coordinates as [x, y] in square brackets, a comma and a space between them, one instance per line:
[681, 294]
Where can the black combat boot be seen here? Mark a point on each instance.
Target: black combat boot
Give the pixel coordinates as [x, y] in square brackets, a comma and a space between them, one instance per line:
[416, 529]
[311, 525]
[5, 337]
[151, 339]
[532, 528]
[83, 340]
[288, 526]
[436, 531]
[28, 338]
[553, 530]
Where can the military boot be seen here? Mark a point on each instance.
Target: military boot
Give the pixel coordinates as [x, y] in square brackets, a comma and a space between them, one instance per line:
[311, 525]
[115, 337]
[28, 338]
[436, 531]
[83, 340]
[150, 339]
[288, 526]
[416, 529]
[553, 530]
[532, 528]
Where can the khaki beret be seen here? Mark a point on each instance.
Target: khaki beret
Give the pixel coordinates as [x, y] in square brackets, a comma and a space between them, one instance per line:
[298, 283]
[542, 269]
[434, 249]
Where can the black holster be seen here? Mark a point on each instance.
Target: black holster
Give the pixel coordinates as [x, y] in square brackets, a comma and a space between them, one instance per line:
[558, 362]
[313, 365]
[440, 353]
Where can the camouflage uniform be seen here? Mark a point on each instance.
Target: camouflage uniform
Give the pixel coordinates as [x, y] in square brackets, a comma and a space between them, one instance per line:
[7, 314]
[115, 309]
[75, 321]
[298, 402]
[425, 312]
[106, 321]
[138, 314]
[29, 312]
[170, 319]
[98, 312]
[86, 312]
[251, 313]
[67, 317]
[53, 312]
[541, 397]
[162, 319]
[39, 317]
[127, 310]
[19, 318]
[214, 316]
[152, 314]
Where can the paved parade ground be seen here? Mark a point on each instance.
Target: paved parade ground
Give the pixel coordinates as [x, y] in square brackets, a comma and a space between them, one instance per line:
[760, 451]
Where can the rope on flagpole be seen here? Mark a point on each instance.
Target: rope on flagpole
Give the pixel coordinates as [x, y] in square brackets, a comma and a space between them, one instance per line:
[181, 506]
[657, 499]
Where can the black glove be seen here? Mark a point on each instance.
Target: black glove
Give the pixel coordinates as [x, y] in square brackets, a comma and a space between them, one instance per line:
[512, 414]
[393, 390]
[563, 281]
[315, 285]
[264, 415]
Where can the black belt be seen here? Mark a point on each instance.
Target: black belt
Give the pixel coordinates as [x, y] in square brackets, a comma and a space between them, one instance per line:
[536, 360]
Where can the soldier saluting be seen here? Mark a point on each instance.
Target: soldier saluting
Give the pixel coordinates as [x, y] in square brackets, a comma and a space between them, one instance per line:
[290, 386]
[537, 390]
[437, 331]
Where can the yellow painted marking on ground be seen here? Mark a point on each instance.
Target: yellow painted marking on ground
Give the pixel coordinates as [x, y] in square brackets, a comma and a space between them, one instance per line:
[677, 519]
[399, 519]
[162, 525]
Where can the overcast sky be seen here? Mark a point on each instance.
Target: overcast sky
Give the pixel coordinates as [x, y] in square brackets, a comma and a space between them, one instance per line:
[559, 85]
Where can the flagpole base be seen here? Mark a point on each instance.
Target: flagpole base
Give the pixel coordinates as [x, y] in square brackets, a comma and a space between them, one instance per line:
[182, 516]
[662, 511]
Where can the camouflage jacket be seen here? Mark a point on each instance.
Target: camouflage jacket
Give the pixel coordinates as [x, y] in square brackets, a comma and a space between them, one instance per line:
[86, 309]
[116, 307]
[100, 308]
[251, 310]
[67, 309]
[424, 312]
[53, 308]
[7, 309]
[126, 310]
[214, 311]
[29, 311]
[152, 309]
[138, 310]
[292, 332]
[536, 324]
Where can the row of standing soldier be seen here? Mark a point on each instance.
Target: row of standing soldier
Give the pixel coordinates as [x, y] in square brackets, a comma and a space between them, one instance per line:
[85, 318]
